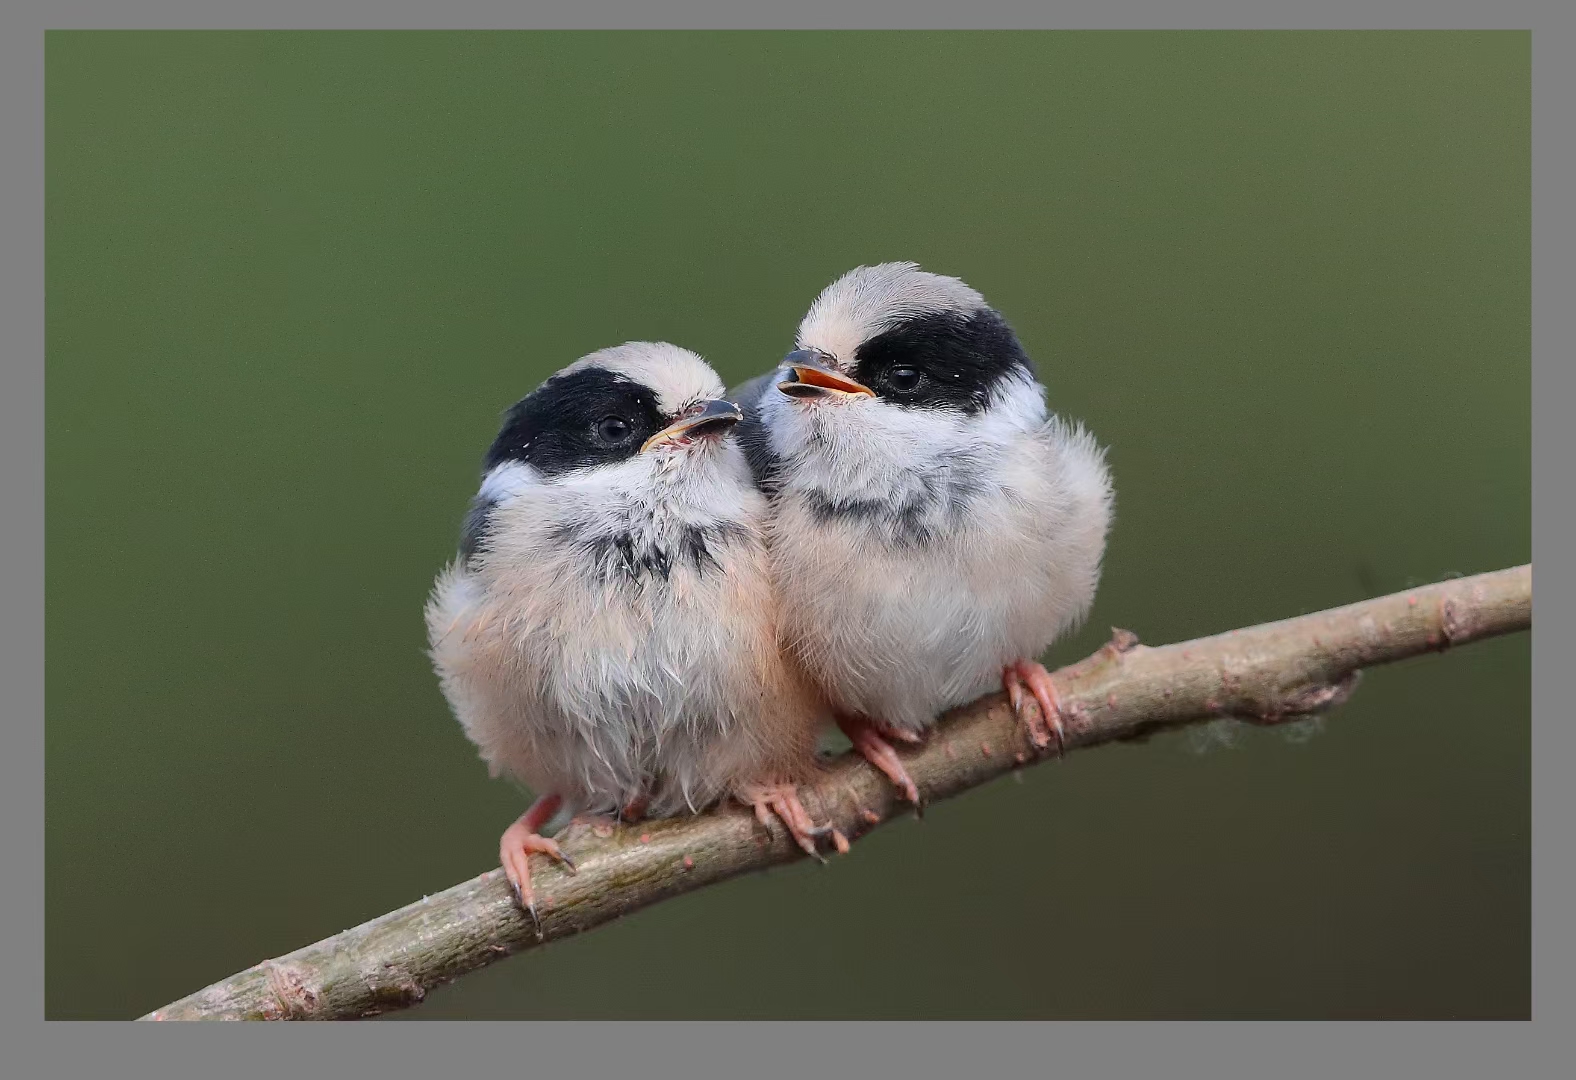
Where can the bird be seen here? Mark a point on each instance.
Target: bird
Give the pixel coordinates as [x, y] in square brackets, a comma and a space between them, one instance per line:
[606, 634]
[934, 526]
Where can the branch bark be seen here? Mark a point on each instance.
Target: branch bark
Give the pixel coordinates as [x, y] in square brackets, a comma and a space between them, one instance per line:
[1263, 674]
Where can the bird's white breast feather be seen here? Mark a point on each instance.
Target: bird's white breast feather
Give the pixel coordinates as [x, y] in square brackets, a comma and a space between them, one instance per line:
[903, 623]
[577, 679]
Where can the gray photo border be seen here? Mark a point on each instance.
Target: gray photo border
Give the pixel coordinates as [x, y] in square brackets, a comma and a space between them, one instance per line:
[36, 1047]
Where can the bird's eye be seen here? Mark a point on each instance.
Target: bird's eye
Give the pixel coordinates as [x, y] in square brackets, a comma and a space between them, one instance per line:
[613, 430]
[904, 379]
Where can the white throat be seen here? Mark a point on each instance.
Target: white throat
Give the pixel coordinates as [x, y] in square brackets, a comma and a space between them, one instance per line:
[874, 451]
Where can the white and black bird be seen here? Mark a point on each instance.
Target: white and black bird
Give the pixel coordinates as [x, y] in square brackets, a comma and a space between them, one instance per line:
[607, 635]
[935, 528]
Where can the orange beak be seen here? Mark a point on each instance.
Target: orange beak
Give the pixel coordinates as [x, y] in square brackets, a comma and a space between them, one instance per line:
[813, 380]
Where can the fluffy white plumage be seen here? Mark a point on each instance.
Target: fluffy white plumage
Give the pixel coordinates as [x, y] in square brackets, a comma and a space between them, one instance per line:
[613, 639]
[922, 547]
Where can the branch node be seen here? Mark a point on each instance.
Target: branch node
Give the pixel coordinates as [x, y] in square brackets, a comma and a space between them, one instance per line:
[294, 997]
[1122, 641]
[1308, 700]
[1455, 622]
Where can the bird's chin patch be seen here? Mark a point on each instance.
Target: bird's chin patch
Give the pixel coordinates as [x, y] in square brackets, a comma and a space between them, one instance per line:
[691, 444]
[815, 397]
[696, 444]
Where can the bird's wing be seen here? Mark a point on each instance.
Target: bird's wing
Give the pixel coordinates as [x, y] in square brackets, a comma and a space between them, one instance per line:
[752, 432]
[473, 531]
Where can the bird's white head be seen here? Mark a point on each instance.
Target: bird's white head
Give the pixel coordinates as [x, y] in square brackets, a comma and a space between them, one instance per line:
[637, 423]
[895, 368]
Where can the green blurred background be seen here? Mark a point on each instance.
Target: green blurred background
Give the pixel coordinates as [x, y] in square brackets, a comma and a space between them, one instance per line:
[293, 279]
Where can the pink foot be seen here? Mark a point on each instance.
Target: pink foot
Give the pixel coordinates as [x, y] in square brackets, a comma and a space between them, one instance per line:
[870, 739]
[1023, 675]
[520, 841]
[783, 801]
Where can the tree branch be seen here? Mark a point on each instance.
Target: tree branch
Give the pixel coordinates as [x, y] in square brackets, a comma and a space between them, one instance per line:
[1264, 674]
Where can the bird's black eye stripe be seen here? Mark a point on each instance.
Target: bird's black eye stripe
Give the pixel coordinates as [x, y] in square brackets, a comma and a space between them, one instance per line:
[588, 417]
[947, 360]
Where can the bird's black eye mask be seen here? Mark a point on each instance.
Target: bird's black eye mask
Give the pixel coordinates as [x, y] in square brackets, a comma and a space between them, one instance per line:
[947, 360]
[588, 417]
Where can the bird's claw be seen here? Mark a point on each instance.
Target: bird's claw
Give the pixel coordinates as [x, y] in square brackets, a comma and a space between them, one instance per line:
[520, 841]
[868, 739]
[782, 800]
[1046, 727]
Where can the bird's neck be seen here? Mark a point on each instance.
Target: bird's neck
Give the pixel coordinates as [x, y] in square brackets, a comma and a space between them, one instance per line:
[898, 501]
[681, 514]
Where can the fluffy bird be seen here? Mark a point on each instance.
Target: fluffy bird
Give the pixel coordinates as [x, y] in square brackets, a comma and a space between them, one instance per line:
[934, 527]
[607, 634]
